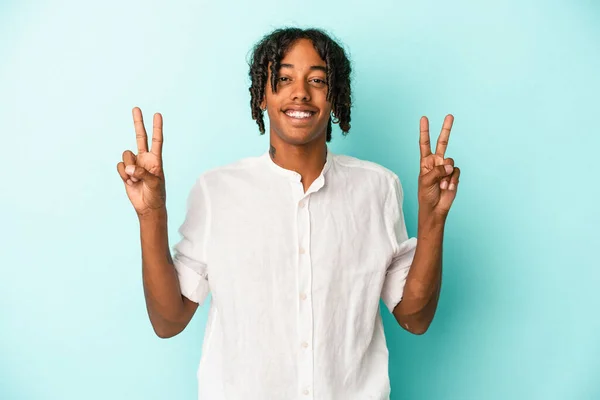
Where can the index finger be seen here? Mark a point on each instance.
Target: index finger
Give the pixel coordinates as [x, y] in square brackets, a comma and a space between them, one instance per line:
[140, 131]
[424, 142]
[157, 135]
[442, 143]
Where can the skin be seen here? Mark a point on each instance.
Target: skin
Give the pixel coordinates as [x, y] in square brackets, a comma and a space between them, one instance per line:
[438, 183]
[144, 180]
[298, 145]
[301, 147]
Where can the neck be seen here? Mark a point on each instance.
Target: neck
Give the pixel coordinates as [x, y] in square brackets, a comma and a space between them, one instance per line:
[306, 159]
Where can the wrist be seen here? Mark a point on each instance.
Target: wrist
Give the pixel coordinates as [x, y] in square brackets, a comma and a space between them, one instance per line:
[153, 215]
[430, 223]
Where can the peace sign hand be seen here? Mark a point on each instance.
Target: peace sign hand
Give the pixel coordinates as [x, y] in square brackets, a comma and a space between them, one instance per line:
[143, 173]
[438, 179]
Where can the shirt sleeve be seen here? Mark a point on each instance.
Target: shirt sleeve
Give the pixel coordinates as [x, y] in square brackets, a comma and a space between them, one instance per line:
[404, 248]
[190, 252]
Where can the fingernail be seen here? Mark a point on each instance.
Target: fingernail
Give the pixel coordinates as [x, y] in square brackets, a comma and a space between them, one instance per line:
[130, 169]
[444, 184]
[449, 168]
[452, 186]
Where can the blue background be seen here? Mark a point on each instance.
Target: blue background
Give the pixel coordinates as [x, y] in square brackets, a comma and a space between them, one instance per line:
[518, 317]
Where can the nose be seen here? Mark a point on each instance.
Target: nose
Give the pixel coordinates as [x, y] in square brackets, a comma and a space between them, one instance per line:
[300, 91]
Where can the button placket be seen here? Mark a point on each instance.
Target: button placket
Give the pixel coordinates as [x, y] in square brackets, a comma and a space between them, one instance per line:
[305, 312]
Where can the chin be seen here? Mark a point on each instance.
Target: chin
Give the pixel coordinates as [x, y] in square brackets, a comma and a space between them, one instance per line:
[296, 136]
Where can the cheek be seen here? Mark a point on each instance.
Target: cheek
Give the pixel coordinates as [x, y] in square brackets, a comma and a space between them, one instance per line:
[273, 100]
[319, 98]
[272, 106]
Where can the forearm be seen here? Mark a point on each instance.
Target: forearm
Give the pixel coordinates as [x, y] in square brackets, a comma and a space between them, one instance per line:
[161, 286]
[423, 283]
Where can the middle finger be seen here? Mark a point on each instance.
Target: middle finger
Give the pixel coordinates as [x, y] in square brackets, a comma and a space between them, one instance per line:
[442, 143]
[140, 131]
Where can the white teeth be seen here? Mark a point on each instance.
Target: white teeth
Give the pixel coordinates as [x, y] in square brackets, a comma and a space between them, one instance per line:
[299, 114]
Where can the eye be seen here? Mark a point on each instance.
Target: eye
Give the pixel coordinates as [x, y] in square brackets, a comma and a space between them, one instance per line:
[283, 81]
[319, 82]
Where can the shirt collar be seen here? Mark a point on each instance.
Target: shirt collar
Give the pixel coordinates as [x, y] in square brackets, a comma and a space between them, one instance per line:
[293, 175]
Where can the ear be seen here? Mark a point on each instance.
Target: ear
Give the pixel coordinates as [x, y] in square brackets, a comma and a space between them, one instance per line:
[263, 104]
[333, 118]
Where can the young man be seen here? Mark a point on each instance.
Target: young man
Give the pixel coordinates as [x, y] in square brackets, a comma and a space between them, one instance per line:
[298, 245]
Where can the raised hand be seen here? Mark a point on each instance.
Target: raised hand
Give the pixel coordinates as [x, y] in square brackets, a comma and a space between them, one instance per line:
[143, 173]
[438, 178]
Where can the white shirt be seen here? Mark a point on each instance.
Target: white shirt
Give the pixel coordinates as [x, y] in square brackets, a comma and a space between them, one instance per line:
[295, 278]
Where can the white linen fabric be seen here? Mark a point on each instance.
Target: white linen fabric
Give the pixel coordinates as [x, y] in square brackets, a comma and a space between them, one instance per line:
[295, 278]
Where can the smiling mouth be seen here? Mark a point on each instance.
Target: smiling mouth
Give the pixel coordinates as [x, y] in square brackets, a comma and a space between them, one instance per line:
[299, 114]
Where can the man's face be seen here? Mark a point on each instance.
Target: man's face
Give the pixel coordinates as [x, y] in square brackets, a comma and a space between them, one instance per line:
[299, 111]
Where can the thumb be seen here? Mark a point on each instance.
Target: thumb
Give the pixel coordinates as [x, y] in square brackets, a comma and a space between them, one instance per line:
[436, 174]
[138, 173]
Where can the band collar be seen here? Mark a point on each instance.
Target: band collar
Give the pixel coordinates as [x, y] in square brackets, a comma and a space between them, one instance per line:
[293, 175]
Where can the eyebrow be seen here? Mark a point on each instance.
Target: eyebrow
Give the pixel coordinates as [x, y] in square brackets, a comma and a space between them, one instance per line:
[312, 68]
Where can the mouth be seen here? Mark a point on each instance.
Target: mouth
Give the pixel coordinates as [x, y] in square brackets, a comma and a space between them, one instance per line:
[299, 114]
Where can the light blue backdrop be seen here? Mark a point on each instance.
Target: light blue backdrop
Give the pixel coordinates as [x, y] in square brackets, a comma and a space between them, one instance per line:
[518, 317]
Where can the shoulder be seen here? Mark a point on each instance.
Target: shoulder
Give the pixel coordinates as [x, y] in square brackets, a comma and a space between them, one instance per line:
[370, 174]
[360, 168]
[236, 167]
[240, 170]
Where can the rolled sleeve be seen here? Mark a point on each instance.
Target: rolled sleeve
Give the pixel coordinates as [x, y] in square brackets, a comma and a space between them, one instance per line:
[395, 279]
[190, 258]
[193, 280]
[404, 249]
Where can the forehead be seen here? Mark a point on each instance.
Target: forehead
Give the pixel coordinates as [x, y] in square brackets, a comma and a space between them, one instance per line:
[302, 52]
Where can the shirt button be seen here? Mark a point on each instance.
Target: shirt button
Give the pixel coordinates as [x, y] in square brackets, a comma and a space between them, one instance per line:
[301, 204]
[305, 392]
[301, 250]
[303, 296]
[304, 344]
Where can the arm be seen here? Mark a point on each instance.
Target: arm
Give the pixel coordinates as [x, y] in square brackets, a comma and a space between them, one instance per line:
[423, 283]
[144, 181]
[169, 311]
[438, 184]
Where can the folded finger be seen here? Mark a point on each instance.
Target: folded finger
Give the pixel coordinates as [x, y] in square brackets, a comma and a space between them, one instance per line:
[454, 178]
[121, 170]
[446, 181]
[129, 159]
[436, 175]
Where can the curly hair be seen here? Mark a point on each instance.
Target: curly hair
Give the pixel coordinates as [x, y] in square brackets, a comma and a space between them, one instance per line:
[272, 49]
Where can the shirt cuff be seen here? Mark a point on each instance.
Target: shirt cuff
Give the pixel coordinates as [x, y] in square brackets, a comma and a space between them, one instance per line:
[193, 285]
[393, 285]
